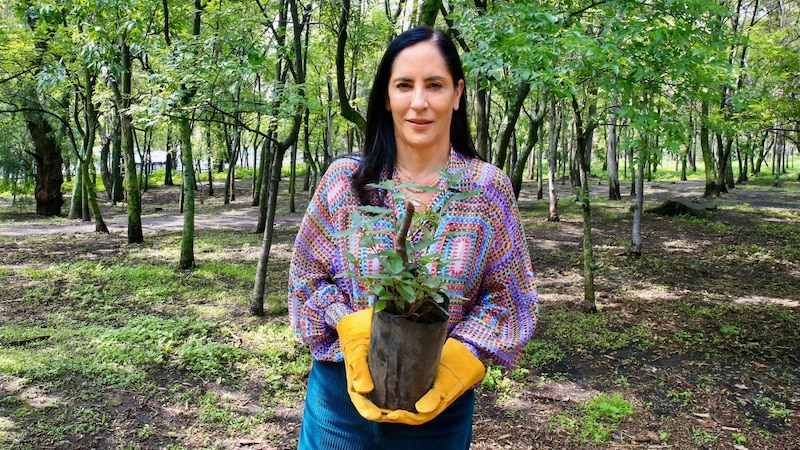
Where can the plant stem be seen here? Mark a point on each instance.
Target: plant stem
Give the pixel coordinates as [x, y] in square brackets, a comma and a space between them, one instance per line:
[400, 240]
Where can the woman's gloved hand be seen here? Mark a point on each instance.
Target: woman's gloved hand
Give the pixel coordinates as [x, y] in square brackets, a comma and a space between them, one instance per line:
[459, 370]
[354, 330]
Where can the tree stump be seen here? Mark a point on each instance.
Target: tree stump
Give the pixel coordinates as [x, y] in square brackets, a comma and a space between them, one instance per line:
[672, 208]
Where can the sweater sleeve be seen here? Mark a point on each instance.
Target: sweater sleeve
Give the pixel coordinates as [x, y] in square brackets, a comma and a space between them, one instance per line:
[317, 300]
[504, 316]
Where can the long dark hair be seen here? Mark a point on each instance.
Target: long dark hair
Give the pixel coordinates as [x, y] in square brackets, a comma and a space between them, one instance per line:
[380, 148]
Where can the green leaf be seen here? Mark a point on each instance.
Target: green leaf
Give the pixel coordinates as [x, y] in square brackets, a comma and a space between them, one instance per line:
[394, 265]
[407, 292]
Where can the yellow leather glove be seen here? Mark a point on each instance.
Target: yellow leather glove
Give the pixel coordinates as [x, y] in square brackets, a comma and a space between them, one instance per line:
[354, 330]
[458, 371]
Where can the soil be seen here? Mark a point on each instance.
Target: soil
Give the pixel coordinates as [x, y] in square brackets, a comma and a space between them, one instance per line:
[666, 289]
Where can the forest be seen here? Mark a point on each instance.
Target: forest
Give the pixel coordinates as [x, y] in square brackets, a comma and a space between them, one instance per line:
[188, 137]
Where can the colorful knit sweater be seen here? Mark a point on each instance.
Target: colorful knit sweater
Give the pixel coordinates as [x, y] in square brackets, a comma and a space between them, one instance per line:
[491, 272]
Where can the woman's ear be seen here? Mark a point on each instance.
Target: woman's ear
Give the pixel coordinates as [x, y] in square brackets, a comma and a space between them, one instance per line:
[459, 91]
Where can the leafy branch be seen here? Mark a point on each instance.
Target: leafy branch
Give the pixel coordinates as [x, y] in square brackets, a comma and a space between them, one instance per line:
[405, 285]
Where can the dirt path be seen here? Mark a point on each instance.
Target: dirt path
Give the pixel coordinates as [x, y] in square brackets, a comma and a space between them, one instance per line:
[161, 213]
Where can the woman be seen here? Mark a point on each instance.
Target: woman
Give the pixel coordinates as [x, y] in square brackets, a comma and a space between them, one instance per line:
[416, 126]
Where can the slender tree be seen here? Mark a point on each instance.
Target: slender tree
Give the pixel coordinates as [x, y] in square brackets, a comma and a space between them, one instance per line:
[298, 28]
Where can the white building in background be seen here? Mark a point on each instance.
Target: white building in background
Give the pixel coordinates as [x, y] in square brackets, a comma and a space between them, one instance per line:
[158, 159]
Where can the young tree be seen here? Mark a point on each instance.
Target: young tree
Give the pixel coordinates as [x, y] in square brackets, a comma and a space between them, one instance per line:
[299, 70]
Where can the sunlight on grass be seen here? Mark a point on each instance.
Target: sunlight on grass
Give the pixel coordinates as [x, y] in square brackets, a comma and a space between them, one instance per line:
[239, 274]
[7, 430]
[597, 418]
[209, 312]
[276, 357]
[593, 332]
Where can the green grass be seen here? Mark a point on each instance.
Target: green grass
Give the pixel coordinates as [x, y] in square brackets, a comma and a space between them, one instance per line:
[129, 320]
[596, 419]
[584, 331]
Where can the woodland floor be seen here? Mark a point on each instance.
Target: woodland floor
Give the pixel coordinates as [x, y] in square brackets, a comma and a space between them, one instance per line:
[701, 334]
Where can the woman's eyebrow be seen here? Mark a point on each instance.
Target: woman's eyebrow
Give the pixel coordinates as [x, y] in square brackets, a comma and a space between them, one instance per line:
[430, 78]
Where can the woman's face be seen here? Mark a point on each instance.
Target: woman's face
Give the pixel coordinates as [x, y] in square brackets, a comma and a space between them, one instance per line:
[422, 97]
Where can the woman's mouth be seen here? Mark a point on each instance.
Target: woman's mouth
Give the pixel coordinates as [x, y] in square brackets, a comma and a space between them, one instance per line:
[419, 123]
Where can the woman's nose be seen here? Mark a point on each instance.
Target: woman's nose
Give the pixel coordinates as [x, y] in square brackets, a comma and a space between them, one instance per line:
[419, 101]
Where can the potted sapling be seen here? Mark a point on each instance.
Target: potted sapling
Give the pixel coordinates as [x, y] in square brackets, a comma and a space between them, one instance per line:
[410, 303]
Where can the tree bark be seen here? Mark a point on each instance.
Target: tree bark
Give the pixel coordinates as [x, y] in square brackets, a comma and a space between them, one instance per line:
[582, 148]
[99, 223]
[348, 112]
[169, 163]
[48, 165]
[187, 160]
[551, 162]
[257, 299]
[117, 161]
[514, 110]
[636, 229]
[428, 12]
[611, 157]
[88, 145]
[49, 162]
[708, 159]
[76, 203]
[122, 98]
[533, 138]
[482, 122]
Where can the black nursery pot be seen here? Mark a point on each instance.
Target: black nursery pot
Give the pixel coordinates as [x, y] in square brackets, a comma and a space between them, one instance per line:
[403, 359]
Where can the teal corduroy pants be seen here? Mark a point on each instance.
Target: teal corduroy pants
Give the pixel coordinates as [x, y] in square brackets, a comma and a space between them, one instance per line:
[331, 422]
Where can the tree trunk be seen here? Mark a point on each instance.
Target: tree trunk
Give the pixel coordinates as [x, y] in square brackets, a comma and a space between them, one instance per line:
[779, 151]
[292, 178]
[122, 96]
[348, 112]
[187, 160]
[263, 167]
[117, 161]
[582, 146]
[263, 202]
[708, 159]
[533, 138]
[86, 211]
[257, 300]
[539, 170]
[233, 156]
[88, 146]
[611, 157]
[482, 122]
[100, 225]
[514, 109]
[49, 163]
[636, 231]
[105, 172]
[428, 11]
[168, 164]
[76, 203]
[551, 162]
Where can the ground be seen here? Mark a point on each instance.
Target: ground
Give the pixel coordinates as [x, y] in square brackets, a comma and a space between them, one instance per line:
[699, 335]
